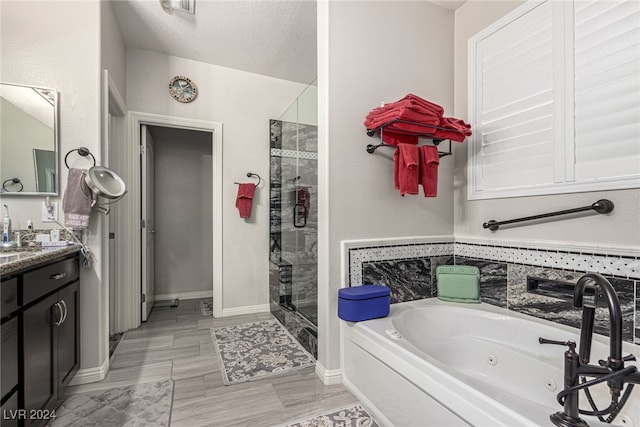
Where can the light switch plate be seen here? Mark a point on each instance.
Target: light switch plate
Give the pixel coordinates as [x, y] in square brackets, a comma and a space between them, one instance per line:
[50, 215]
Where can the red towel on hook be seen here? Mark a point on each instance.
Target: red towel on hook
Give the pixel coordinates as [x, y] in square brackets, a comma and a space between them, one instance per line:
[429, 161]
[244, 199]
[406, 160]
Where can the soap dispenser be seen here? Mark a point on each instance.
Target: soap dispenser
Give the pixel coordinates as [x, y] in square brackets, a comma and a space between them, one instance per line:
[6, 226]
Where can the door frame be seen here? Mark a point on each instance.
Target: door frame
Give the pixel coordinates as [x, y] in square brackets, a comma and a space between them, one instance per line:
[147, 235]
[132, 245]
[113, 105]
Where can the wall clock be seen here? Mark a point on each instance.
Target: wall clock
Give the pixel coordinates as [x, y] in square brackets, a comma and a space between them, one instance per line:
[182, 89]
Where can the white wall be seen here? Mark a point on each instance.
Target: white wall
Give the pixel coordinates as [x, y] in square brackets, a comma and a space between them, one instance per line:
[244, 103]
[620, 228]
[113, 49]
[57, 45]
[183, 211]
[377, 51]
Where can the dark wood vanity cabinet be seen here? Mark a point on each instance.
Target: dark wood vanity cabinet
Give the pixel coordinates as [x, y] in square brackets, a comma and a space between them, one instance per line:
[48, 338]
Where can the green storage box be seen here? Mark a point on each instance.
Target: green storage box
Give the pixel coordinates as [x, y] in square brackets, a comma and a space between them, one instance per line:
[458, 283]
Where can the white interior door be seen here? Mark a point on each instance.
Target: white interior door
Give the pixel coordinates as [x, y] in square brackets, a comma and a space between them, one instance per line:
[147, 221]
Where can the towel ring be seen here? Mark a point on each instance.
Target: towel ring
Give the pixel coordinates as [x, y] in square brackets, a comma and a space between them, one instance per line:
[12, 181]
[251, 174]
[83, 151]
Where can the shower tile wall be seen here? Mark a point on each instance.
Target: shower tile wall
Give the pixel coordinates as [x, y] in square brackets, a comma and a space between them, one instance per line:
[504, 273]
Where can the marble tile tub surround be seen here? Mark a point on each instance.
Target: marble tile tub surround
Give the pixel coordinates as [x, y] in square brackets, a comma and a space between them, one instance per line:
[503, 268]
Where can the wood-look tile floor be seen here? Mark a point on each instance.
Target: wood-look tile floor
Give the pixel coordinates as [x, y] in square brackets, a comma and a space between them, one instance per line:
[176, 343]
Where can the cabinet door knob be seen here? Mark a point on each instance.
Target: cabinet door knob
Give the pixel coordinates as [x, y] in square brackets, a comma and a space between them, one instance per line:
[57, 276]
[60, 319]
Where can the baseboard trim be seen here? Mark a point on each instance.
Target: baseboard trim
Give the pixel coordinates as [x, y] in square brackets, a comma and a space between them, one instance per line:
[249, 309]
[328, 376]
[90, 375]
[185, 295]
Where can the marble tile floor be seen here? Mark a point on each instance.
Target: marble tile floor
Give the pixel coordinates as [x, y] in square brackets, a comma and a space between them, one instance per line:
[176, 344]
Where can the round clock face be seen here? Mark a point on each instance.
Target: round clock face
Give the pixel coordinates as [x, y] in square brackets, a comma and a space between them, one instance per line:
[182, 89]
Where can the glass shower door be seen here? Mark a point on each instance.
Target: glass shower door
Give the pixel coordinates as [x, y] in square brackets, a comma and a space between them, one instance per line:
[294, 214]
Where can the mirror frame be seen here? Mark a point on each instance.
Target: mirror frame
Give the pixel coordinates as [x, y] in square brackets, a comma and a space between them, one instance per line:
[56, 144]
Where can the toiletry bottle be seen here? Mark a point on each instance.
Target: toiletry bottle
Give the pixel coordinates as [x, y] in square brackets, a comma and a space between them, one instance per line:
[29, 225]
[6, 226]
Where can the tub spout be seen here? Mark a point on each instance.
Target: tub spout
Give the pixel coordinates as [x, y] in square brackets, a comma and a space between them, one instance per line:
[615, 361]
[577, 365]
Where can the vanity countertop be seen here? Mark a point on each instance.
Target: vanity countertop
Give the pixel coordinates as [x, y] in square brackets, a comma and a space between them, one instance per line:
[13, 260]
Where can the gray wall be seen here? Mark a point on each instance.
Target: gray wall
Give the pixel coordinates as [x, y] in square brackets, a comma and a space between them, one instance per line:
[244, 103]
[621, 227]
[183, 211]
[378, 51]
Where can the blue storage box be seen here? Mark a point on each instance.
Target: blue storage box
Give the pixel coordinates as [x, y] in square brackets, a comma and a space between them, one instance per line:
[363, 302]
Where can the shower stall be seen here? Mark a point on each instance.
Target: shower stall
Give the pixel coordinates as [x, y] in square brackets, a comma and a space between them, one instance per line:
[293, 266]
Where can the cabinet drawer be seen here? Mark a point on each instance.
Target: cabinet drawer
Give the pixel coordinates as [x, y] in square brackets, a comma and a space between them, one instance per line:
[48, 278]
[9, 297]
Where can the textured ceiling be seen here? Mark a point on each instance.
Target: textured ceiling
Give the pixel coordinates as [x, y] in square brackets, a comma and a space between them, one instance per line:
[272, 38]
[275, 38]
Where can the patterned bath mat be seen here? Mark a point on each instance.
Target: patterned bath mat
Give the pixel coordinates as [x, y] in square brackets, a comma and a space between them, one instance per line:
[255, 350]
[140, 405]
[206, 307]
[353, 416]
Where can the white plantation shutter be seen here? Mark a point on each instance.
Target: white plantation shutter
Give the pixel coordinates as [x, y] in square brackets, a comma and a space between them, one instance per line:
[555, 100]
[607, 89]
[514, 115]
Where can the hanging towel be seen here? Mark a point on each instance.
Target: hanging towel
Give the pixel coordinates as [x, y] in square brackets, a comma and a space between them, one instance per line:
[429, 161]
[76, 202]
[406, 160]
[304, 198]
[244, 199]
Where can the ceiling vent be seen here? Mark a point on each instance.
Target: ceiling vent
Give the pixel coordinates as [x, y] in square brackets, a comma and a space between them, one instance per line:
[186, 6]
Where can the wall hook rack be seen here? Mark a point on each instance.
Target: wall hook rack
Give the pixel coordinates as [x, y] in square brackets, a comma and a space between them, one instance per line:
[426, 134]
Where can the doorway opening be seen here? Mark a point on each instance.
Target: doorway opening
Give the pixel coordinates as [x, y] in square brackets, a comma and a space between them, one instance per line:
[129, 247]
[177, 210]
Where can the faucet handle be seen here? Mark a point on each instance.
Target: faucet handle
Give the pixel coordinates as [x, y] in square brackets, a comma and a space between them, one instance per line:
[570, 343]
[628, 358]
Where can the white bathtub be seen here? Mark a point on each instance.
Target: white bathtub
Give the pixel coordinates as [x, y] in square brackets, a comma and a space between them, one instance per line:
[465, 364]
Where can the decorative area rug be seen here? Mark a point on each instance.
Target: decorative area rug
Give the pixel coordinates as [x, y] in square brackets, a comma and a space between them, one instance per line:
[353, 416]
[206, 307]
[258, 349]
[140, 405]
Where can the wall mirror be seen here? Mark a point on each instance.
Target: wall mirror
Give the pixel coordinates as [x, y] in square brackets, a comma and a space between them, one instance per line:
[29, 153]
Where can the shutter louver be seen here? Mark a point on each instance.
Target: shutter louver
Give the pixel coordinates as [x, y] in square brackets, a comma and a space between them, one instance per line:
[607, 89]
[514, 114]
